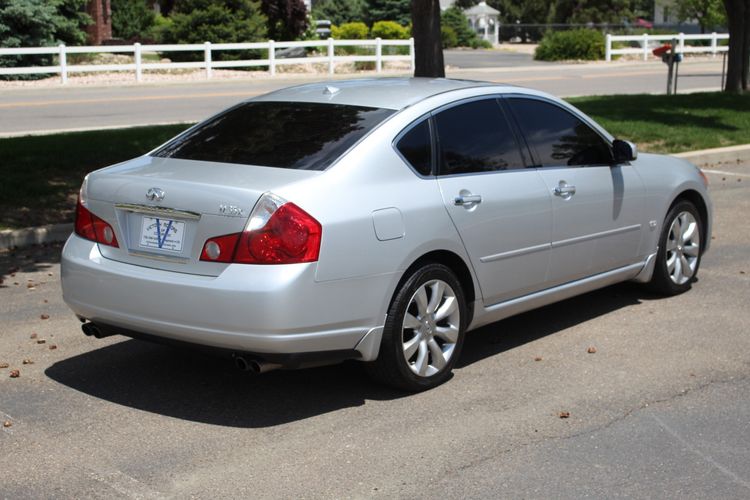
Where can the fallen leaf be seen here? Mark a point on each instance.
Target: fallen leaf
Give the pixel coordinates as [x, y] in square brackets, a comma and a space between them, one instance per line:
[44, 316]
[30, 286]
[538, 358]
[41, 341]
[46, 301]
[49, 274]
[27, 362]
[15, 374]
[591, 350]
[723, 178]
[7, 423]
[16, 283]
[4, 365]
[742, 272]
[33, 336]
[52, 347]
[564, 414]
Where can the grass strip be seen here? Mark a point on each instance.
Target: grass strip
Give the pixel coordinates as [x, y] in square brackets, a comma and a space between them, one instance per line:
[41, 174]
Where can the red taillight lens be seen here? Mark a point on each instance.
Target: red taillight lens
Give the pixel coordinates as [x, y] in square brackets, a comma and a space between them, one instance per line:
[290, 236]
[91, 227]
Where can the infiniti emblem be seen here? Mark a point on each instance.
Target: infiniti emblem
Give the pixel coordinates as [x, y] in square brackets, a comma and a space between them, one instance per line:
[155, 194]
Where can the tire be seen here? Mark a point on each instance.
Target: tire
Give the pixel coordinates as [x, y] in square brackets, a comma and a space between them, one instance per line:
[423, 336]
[680, 250]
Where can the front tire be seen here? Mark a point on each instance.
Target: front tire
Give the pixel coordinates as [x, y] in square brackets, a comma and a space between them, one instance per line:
[424, 331]
[680, 250]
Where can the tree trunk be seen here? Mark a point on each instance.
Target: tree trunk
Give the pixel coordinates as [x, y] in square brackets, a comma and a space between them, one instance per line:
[738, 59]
[428, 46]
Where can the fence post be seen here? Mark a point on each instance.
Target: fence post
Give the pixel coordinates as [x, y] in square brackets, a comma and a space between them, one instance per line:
[63, 64]
[411, 53]
[272, 57]
[138, 69]
[207, 58]
[644, 43]
[682, 42]
[378, 55]
[330, 55]
[607, 48]
[713, 44]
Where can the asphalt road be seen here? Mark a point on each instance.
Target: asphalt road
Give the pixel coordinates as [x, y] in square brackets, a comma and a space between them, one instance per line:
[34, 110]
[463, 58]
[659, 411]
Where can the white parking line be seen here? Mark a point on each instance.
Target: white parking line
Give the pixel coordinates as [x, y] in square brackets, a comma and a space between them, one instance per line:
[722, 172]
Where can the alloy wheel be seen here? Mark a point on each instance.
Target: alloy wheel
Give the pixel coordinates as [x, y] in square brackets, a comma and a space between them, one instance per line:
[683, 248]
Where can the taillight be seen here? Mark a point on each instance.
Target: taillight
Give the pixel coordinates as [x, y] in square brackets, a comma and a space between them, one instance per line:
[278, 232]
[91, 227]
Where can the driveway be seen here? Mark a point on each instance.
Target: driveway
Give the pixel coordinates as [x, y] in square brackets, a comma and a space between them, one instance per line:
[658, 411]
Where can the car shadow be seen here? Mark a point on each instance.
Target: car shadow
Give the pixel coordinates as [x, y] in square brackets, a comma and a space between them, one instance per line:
[195, 386]
[27, 260]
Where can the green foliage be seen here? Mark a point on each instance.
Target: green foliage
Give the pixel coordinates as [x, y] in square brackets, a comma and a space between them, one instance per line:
[448, 36]
[592, 11]
[389, 30]
[287, 19]
[580, 44]
[388, 10]
[39, 23]
[131, 19]
[708, 13]
[526, 11]
[455, 19]
[198, 21]
[340, 11]
[350, 31]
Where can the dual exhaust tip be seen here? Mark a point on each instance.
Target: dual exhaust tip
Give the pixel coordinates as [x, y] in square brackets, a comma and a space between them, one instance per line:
[245, 364]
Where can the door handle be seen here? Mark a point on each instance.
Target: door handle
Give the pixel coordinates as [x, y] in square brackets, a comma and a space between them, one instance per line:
[564, 190]
[467, 199]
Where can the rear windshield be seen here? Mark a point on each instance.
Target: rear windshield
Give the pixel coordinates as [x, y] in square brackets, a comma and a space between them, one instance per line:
[296, 135]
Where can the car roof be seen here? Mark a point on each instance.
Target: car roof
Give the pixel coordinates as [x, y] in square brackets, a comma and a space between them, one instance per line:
[390, 93]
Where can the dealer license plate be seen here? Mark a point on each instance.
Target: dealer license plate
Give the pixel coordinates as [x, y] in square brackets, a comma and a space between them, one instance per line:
[162, 234]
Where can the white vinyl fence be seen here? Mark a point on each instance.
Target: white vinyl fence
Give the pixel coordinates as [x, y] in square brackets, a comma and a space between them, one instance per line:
[272, 61]
[648, 42]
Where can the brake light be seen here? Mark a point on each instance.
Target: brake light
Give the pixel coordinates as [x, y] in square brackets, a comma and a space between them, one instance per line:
[278, 232]
[91, 227]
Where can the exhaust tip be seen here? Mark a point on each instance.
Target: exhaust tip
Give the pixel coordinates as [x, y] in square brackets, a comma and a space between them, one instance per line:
[253, 365]
[91, 330]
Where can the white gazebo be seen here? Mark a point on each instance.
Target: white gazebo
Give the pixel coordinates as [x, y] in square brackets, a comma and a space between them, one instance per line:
[484, 20]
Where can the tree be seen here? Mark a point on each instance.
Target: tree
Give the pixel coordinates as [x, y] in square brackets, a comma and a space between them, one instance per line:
[39, 23]
[738, 59]
[131, 19]
[455, 19]
[387, 10]
[526, 11]
[428, 50]
[340, 11]
[287, 19]
[592, 11]
[708, 13]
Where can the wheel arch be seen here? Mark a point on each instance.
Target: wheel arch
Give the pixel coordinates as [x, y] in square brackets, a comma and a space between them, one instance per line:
[700, 204]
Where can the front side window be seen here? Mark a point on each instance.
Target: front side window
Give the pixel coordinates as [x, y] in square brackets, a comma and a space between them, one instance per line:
[294, 135]
[557, 136]
[416, 147]
[476, 137]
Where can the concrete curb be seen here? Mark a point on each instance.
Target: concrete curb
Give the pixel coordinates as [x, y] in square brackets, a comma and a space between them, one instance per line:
[50, 233]
[10, 238]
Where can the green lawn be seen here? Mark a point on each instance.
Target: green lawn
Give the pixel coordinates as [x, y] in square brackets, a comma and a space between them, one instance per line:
[41, 174]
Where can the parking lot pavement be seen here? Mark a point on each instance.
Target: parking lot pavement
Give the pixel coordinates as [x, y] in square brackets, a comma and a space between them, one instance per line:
[660, 410]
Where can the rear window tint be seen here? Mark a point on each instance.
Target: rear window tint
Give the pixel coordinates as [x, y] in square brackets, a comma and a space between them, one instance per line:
[295, 135]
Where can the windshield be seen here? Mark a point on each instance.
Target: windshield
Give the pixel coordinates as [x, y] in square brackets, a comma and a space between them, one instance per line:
[296, 135]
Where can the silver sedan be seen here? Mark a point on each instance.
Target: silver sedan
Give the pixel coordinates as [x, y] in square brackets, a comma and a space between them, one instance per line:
[377, 220]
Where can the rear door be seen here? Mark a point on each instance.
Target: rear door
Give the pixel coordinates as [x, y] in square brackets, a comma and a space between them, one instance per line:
[597, 205]
[500, 208]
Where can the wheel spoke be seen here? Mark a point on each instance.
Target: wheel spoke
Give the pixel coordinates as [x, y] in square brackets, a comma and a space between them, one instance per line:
[671, 261]
[447, 308]
[687, 272]
[691, 250]
[689, 232]
[411, 322]
[448, 333]
[437, 288]
[421, 363]
[411, 346]
[676, 231]
[421, 299]
[671, 245]
[677, 272]
[438, 360]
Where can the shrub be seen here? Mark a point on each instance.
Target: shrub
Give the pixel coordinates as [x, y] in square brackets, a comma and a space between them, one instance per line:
[455, 19]
[389, 30]
[350, 31]
[131, 19]
[448, 36]
[582, 44]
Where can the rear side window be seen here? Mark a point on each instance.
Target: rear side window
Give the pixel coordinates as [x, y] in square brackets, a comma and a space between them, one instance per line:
[295, 135]
[476, 137]
[416, 147]
[557, 136]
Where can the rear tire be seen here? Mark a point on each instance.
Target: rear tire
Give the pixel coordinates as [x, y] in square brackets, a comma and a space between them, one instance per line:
[423, 332]
[680, 250]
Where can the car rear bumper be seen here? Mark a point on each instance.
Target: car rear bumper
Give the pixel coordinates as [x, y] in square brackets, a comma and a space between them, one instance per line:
[248, 308]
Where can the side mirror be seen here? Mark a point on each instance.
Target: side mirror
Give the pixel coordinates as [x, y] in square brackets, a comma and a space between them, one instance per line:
[624, 151]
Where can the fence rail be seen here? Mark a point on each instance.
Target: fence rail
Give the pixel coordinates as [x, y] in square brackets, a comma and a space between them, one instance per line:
[272, 61]
[645, 42]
